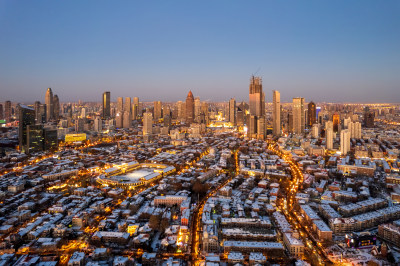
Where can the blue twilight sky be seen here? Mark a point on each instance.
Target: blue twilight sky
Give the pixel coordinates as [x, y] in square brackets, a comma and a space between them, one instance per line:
[157, 50]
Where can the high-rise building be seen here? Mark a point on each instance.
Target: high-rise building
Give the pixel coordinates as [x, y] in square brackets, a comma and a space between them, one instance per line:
[56, 108]
[157, 110]
[98, 124]
[119, 118]
[257, 108]
[276, 113]
[357, 130]
[7, 111]
[147, 123]
[197, 109]
[49, 100]
[336, 122]
[135, 108]
[1, 112]
[311, 114]
[26, 117]
[369, 118]
[315, 131]
[257, 98]
[50, 138]
[344, 141]
[189, 108]
[127, 117]
[106, 105]
[232, 111]
[34, 138]
[181, 106]
[329, 138]
[37, 114]
[120, 105]
[298, 115]
[80, 125]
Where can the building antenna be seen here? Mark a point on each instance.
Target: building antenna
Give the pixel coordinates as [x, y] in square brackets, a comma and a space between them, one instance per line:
[259, 68]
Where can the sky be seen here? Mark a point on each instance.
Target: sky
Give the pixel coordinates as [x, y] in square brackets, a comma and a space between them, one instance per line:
[325, 51]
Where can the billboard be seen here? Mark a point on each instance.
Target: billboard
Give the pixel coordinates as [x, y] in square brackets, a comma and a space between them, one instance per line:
[75, 137]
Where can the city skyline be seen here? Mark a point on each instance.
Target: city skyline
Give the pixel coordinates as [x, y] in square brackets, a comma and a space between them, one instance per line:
[332, 52]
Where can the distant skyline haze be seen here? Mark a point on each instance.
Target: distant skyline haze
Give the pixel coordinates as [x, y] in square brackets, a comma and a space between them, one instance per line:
[338, 51]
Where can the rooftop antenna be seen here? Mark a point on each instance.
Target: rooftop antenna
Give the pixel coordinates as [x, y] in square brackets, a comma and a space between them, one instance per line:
[259, 68]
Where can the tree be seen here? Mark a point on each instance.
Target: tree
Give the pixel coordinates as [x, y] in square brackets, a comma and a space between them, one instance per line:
[154, 222]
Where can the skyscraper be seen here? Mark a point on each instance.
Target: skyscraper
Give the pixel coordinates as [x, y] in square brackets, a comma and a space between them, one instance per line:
[232, 111]
[26, 118]
[256, 95]
[256, 128]
[298, 115]
[312, 114]
[7, 111]
[56, 108]
[135, 108]
[315, 131]
[189, 108]
[1, 112]
[157, 110]
[344, 141]
[147, 123]
[127, 117]
[120, 105]
[106, 105]
[329, 138]
[49, 100]
[369, 118]
[276, 113]
[336, 122]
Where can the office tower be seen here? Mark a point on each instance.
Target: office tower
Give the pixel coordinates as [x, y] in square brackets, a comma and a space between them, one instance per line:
[106, 105]
[50, 138]
[26, 117]
[36, 106]
[329, 138]
[232, 111]
[1, 112]
[157, 110]
[311, 114]
[147, 123]
[189, 108]
[346, 122]
[298, 115]
[118, 120]
[369, 118]
[315, 131]
[336, 122]
[41, 115]
[135, 108]
[257, 108]
[56, 108]
[276, 113]
[79, 125]
[49, 100]
[34, 138]
[344, 141]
